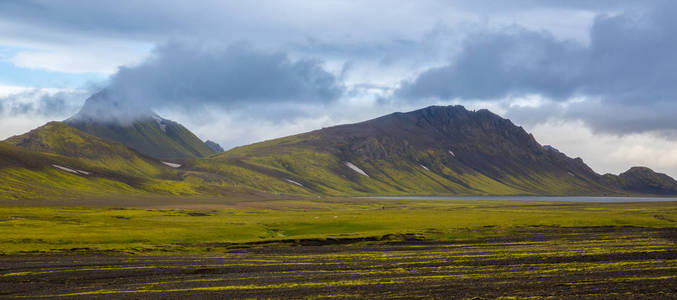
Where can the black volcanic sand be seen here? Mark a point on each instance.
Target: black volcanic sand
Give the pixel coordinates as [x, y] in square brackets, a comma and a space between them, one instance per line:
[592, 262]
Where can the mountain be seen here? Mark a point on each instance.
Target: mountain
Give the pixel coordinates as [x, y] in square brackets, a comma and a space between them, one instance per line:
[435, 150]
[551, 148]
[60, 161]
[214, 146]
[432, 151]
[62, 139]
[643, 180]
[104, 116]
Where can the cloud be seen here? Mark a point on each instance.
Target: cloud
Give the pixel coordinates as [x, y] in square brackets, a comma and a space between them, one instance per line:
[241, 125]
[189, 75]
[121, 31]
[632, 57]
[23, 109]
[626, 73]
[44, 102]
[101, 59]
[609, 153]
[498, 64]
[603, 116]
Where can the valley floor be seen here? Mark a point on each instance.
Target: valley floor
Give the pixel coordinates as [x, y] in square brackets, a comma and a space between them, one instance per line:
[592, 262]
[338, 248]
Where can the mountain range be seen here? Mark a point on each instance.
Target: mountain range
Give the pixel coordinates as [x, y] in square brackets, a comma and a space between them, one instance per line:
[437, 150]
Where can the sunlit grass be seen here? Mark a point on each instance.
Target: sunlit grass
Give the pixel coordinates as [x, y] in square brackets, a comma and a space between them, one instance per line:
[135, 230]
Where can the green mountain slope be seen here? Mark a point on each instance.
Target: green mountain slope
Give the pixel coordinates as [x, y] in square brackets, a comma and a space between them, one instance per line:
[436, 150]
[26, 174]
[57, 160]
[60, 138]
[139, 129]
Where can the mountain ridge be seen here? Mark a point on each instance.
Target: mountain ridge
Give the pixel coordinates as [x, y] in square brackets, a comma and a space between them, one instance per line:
[437, 150]
[434, 150]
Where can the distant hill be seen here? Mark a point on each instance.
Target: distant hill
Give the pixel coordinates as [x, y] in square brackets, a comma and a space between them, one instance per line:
[214, 146]
[139, 128]
[643, 180]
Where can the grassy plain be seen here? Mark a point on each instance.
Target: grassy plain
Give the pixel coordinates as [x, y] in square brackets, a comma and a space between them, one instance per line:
[194, 227]
[337, 248]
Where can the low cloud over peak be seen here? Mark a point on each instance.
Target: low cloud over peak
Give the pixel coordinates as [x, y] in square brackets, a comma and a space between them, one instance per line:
[183, 74]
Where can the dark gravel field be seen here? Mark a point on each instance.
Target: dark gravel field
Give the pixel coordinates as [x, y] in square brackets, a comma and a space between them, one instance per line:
[591, 262]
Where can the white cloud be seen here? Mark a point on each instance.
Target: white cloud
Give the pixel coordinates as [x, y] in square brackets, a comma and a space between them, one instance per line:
[25, 108]
[74, 60]
[11, 126]
[6, 90]
[45, 48]
[607, 153]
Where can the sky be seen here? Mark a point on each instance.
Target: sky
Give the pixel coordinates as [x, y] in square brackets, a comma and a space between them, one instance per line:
[595, 79]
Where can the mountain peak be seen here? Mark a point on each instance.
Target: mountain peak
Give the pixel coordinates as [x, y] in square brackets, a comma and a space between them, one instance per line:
[456, 114]
[448, 108]
[638, 169]
[437, 111]
[106, 107]
[214, 146]
[454, 110]
[108, 116]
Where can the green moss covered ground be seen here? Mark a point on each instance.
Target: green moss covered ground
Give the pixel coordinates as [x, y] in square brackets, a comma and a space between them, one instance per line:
[191, 228]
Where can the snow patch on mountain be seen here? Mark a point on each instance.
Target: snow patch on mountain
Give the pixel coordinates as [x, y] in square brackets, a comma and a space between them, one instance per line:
[294, 182]
[355, 168]
[173, 165]
[74, 171]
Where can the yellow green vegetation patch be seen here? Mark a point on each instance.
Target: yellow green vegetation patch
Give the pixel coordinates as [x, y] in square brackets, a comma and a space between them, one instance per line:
[164, 231]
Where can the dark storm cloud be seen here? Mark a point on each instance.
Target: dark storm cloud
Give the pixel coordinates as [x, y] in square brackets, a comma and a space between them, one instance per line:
[630, 65]
[521, 5]
[186, 75]
[262, 20]
[126, 17]
[496, 64]
[633, 57]
[175, 15]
